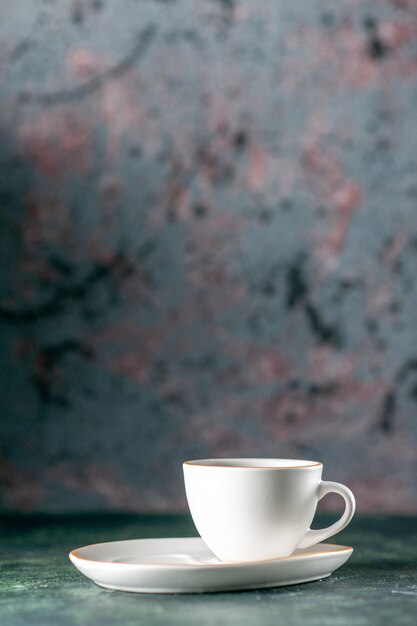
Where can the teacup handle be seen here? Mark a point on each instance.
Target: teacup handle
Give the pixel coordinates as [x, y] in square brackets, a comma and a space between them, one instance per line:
[315, 536]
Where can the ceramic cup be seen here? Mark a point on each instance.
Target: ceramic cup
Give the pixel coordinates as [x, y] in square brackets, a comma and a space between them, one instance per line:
[255, 509]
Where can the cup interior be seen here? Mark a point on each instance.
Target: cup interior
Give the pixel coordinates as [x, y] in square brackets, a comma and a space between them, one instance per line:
[254, 463]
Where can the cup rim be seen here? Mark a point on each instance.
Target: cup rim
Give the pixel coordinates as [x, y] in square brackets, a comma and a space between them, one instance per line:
[245, 463]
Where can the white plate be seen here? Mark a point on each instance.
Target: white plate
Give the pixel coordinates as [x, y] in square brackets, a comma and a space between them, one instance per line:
[187, 566]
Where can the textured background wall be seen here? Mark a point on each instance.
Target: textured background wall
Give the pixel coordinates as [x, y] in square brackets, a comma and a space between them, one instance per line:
[208, 245]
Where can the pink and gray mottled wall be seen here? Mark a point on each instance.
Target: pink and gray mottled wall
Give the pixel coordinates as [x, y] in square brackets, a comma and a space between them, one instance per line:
[208, 245]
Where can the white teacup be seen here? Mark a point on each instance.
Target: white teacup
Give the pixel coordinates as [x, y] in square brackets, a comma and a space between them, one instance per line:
[254, 509]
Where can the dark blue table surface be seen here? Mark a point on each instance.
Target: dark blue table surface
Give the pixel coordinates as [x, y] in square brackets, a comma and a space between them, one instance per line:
[39, 586]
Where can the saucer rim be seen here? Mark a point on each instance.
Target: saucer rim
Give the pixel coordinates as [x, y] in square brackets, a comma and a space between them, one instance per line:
[205, 591]
[73, 555]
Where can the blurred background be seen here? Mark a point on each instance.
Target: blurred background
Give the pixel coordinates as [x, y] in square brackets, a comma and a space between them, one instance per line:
[208, 244]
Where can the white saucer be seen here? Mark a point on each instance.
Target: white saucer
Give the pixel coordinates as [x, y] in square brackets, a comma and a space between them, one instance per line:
[187, 566]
